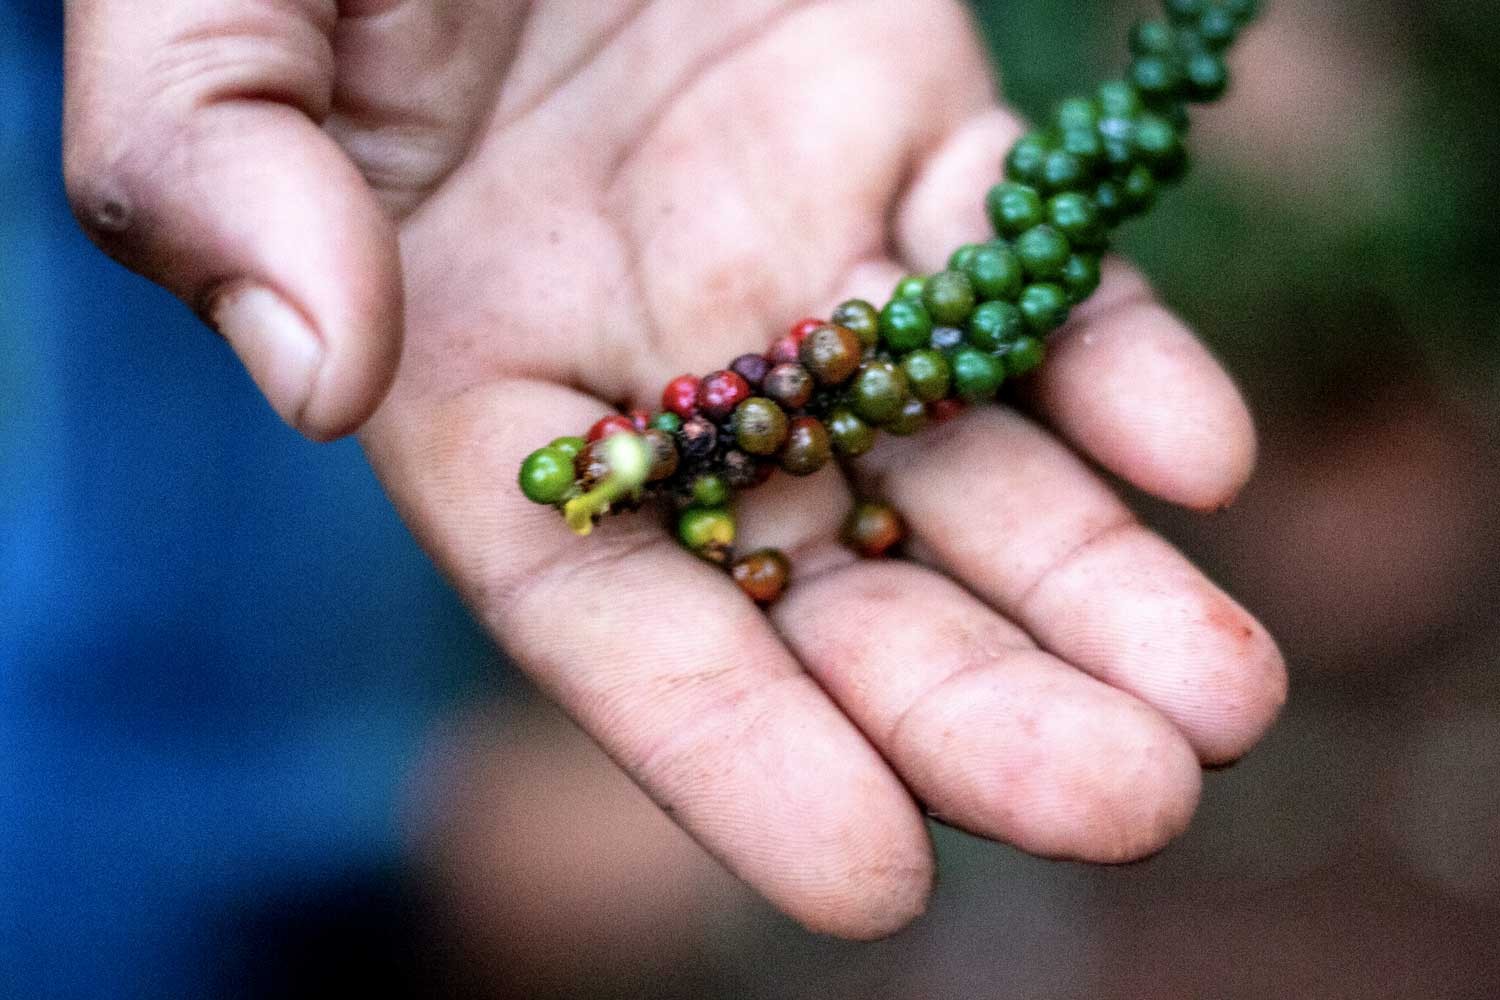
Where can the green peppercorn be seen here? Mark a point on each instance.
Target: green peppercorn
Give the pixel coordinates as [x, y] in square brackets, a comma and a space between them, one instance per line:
[1081, 277]
[1076, 112]
[959, 261]
[807, 448]
[1027, 160]
[1207, 77]
[1152, 38]
[569, 446]
[1043, 251]
[995, 272]
[1045, 307]
[977, 374]
[905, 325]
[850, 435]
[710, 490]
[1024, 355]
[1156, 141]
[877, 391]
[1086, 145]
[788, 385]
[996, 324]
[1218, 28]
[1156, 77]
[668, 421]
[1139, 188]
[928, 373]
[547, 475]
[1076, 217]
[1118, 99]
[1184, 11]
[831, 354]
[707, 531]
[1063, 171]
[861, 317]
[910, 287]
[1014, 208]
[949, 298]
[760, 426]
[910, 418]
[1109, 199]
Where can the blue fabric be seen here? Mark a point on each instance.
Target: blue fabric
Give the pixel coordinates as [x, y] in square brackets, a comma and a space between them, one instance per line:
[219, 649]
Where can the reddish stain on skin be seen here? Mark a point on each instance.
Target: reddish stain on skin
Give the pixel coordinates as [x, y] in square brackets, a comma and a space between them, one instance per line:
[1230, 622]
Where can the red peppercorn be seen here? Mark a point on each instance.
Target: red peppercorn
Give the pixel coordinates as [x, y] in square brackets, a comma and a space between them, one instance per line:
[681, 396]
[803, 327]
[944, 409]
[783, 350]
[612, 424]
[640, 419]
[720, 393]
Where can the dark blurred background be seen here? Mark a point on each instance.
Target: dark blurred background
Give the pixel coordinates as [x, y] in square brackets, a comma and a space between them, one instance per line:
[250, 745]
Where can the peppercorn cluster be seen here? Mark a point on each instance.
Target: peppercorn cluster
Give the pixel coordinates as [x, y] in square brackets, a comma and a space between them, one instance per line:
[828, 387]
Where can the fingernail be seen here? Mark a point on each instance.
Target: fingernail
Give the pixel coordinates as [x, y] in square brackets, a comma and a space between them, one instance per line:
[275, 344]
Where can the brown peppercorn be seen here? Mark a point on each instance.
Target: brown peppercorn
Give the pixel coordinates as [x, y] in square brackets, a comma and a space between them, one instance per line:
[663, 455]
[760, 426]
[762, 575]
[807, 447]
[591, 466]
[742, 471]
[831, 353]
[872, 529]
[788, 385]
[911, 418]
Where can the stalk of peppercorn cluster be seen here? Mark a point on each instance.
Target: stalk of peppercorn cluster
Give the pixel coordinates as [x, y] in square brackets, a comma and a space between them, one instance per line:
[827, 388]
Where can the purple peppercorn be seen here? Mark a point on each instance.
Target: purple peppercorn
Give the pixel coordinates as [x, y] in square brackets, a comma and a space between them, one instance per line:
[752, 368]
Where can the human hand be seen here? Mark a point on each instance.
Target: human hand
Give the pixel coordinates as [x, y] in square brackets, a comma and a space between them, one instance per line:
[576, 202]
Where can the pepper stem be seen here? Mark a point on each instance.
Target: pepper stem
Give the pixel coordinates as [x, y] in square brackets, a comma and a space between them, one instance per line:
[629, 460]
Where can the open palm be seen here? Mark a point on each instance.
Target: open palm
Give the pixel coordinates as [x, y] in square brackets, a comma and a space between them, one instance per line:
[571, 203]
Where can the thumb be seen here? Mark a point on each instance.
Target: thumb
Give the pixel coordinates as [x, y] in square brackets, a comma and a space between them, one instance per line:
[193, 154]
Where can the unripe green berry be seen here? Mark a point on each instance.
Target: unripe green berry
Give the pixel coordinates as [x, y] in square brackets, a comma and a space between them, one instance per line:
[909, 419]
[1024, 356]
[909, 287]
[1218, 28]
[1118, 99]
[1156, 141]
[1063, 171]
[905, 325]
[708, 531]
[1027, 159]
[1140, 190]
[1152, 38]
[1075, 113]
[710, 490]
[949, 298]
[850, 435]
[1081, 277]
[877, 391]
[996, 324]
[1043, 251]
[1184, 11]
[977, 374]
[995, 272]
[959, 260]
[1109, 199]
[1014, 208]
[1207, 77]
[1077, 217]
[1085, 145]
[1156, 77]
[569, 446]
[760, 426]
[861, 317]
[547, 475]
[928, 373]
[1045, 307]
[669, 422]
